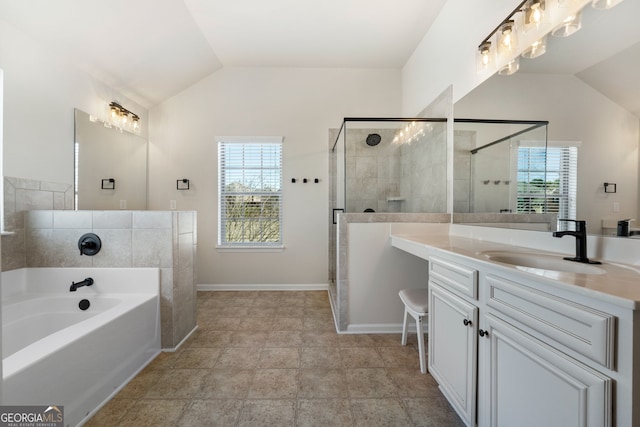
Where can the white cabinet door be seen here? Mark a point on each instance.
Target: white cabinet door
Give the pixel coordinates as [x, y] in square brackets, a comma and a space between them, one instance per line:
[453, 349]
[524, 382]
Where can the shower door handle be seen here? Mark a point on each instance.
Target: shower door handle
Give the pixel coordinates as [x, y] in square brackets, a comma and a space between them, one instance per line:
[334, 215]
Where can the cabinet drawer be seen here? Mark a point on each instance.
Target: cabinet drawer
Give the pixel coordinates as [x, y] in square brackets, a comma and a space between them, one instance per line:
[588, 331]
[460, 279]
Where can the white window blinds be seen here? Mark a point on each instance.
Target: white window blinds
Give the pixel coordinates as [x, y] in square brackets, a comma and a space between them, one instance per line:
[547, 180]
[250, 192]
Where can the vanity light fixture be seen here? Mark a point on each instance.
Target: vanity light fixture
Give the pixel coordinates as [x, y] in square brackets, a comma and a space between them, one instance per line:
[485, 54]
[536, 49]
[604, 4]
[108, 184]
[182, 184]
[534, 13]
[570, 25]
[510, 68]
[507, 38]
[122, 118]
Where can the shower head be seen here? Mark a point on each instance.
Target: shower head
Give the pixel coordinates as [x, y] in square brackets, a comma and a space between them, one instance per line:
[373, 139]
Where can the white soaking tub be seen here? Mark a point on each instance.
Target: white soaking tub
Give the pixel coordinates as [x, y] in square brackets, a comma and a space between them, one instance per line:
[55, 353]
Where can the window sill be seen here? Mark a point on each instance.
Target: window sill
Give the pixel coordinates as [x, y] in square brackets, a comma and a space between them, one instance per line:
[245, 249]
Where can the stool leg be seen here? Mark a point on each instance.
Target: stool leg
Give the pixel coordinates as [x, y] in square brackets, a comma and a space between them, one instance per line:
[404, 326]
[423, 359]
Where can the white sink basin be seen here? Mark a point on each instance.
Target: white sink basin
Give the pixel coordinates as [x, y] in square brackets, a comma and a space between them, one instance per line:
[524, 260]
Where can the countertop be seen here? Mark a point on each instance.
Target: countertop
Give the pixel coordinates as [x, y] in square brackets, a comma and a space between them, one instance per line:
[619, 284]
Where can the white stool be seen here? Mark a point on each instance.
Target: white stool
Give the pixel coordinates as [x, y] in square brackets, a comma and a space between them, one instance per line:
[415, 304]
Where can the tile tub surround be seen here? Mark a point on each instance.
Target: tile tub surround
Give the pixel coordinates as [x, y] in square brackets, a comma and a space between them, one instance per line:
[274, 359]
[164, 240]
[22, 195]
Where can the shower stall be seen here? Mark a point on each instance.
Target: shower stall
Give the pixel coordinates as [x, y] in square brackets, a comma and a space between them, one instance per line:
[389, 165]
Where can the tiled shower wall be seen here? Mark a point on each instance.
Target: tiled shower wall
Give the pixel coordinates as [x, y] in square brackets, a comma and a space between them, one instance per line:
[165, 240]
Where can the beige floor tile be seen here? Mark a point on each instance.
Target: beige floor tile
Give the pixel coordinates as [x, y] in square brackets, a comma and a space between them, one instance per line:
[287, 324]
[284, 339]
[238, 358]
[197, 358]
[320, 357]
[370, 383]
[153, 413]
[226, 384]
[204, 338]
[412, 383]
[355, 340]
[432, 412]
[360, 357]
[201, 413]
[274, 384]
[379, 412]
[140, 385]
[278, 357]
[248, 338]
[290, 310]
[319, 339]
[322, 384]
[111, 413]
[267, 413]
[177, 384]
[324, 412]
[400, 357]
[274, 359]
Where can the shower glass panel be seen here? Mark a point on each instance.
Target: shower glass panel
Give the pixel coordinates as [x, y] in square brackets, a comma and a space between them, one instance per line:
[501, 166]
[387, 165]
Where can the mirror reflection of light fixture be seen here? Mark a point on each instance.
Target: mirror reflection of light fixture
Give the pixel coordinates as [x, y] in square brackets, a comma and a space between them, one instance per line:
[182, 184]
[604, 4]
[570, 25]
[534, 13]
[108, 184]
[485, 54]
[507, 38]
[510, 68]
[536, 49]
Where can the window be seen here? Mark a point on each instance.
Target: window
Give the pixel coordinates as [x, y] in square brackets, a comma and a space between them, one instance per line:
[547, 180]
[250, 192]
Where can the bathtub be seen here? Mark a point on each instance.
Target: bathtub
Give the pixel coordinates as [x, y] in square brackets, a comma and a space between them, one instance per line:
[54, 353]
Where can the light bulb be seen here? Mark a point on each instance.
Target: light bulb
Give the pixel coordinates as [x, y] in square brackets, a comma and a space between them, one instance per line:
[508, 39]
[484, 55]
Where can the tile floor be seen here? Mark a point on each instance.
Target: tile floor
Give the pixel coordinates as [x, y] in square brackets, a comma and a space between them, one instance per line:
[274, 359]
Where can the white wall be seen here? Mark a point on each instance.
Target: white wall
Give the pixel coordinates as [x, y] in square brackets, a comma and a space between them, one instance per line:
[447, 54]
[576, 112]
[299, 104]
[40, 92]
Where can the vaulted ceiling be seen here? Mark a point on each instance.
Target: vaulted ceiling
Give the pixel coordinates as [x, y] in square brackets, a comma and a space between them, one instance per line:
[150, 50]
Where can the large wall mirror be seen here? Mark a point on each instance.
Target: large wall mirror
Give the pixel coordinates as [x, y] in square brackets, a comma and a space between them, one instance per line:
[586, 86]
[110, 167]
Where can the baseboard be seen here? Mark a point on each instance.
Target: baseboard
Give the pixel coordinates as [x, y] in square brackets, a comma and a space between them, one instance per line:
[377, 328]
[269, 287]
[172, 349]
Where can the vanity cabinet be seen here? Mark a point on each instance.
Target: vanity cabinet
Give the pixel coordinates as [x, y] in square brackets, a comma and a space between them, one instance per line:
[525, 382]
[503, 351]
[452, 349]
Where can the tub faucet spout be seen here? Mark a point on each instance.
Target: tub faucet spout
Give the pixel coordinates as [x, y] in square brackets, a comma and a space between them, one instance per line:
[75, 285]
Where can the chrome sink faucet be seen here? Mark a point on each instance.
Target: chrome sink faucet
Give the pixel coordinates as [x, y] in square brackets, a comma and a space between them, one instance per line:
[581, 241]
